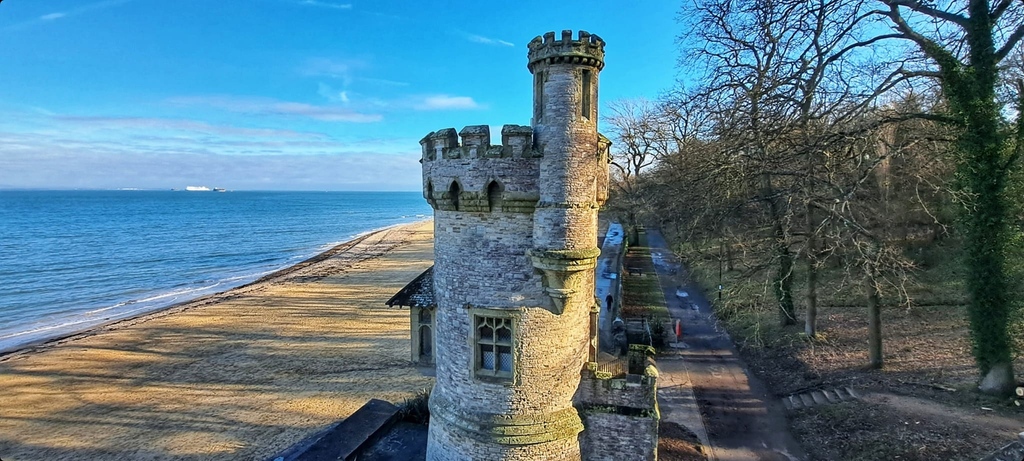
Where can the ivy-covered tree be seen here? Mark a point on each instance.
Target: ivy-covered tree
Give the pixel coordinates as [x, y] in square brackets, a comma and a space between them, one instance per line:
[964, 46]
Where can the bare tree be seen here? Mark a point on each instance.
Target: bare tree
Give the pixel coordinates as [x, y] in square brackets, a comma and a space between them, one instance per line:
[789, 77]
[638, 139]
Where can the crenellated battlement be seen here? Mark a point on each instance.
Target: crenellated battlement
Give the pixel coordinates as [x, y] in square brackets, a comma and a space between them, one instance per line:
[587, 49]
[516, 142]
[475, 176]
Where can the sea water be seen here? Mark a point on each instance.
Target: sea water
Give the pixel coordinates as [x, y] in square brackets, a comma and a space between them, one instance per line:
[74, 259]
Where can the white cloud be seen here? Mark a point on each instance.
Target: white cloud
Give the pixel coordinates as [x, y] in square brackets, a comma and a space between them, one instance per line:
[487, 41]
[193, 127]
[40, 151]
[340, 69]
[59, 168]
[273, 107]
[382, 81]
[332, 94]
[321, 4]
[67, 13]
[446, 102]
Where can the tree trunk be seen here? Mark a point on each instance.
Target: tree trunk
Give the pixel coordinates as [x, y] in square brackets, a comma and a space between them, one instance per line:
[811, 314]
[783, 282]
[971, 94]
[784, 278]
[985, 242]
[999, 380]
[874, 318]
[728, 256]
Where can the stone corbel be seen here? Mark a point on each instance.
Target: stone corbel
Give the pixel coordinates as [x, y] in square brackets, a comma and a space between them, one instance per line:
[560, 272]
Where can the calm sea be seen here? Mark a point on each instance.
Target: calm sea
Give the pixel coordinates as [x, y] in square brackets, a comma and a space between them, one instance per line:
[74, 259]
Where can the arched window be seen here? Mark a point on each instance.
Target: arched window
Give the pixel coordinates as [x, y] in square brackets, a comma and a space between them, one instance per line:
[494, 196]
[426, 342]
[453, 193]
[430, 192]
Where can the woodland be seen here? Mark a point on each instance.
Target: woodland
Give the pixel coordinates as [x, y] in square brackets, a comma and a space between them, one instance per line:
[828, 166]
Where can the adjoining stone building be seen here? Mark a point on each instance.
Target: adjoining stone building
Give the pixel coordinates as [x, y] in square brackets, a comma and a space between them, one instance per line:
[507, 314]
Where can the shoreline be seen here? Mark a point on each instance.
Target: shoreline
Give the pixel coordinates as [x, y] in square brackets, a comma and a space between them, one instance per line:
[46, 343]
[243, 374]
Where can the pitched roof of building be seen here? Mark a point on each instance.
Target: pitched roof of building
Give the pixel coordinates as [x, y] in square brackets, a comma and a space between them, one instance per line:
[418, 293]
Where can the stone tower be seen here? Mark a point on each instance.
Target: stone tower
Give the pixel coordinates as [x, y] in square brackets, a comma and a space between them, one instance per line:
[515, 228]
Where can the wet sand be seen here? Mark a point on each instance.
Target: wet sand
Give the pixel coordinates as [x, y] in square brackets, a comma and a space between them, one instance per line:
[239, 375]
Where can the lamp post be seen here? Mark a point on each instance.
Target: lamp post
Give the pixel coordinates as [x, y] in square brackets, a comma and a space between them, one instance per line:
[720, 252]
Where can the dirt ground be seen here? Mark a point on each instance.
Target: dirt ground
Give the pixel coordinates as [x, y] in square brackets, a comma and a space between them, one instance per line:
[921, 406]
[240, 375]
[675, 443]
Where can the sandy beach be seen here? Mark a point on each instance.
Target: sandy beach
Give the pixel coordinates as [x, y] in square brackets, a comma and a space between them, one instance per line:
[240, 375]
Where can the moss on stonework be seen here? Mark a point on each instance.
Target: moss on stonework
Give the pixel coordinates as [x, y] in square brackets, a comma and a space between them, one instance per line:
[570, 206]
[509, 429]
[646, 413]
[645, 349]
[567, 255]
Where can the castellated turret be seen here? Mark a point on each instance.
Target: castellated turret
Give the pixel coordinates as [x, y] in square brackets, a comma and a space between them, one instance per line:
[515, 229]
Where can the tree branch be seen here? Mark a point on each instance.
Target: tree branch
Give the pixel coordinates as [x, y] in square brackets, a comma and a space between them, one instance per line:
[944, 58]
[1020, 128]
[920, 7]
[999, 9]
[1011, 42]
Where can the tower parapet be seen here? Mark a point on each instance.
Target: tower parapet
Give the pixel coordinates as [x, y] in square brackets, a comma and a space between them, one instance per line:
[477, 176]
[516, 142]
[588, 49]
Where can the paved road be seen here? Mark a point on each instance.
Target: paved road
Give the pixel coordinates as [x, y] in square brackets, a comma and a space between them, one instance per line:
[607, 274]
[704, 385]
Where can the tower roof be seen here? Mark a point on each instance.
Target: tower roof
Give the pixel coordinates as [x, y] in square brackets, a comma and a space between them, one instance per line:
[586, 50]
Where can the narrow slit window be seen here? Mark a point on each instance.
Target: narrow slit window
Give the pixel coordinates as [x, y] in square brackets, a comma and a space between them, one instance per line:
[586, 94]
[538, 96]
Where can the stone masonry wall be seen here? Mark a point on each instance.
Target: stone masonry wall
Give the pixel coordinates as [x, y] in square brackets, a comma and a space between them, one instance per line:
[527, 255]
[481, 262]
[473, 164]
[615, 437]
[620, 416]
[456, 446]
[635, 391]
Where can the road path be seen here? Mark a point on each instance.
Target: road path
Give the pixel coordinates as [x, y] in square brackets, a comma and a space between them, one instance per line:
[704, 385]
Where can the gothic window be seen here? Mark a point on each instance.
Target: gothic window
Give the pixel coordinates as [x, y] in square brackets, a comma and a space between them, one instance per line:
[426, 342]
[494, 196]
[453, 193]
[493, 347]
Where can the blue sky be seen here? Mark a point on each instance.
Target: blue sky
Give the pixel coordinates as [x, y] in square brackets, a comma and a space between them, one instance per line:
[282, 94]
